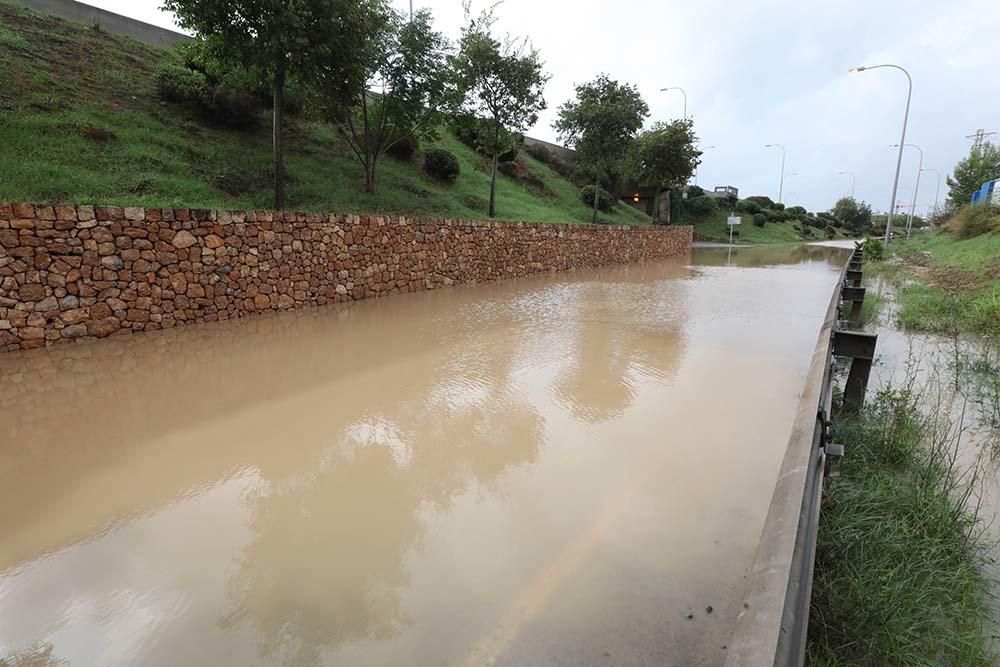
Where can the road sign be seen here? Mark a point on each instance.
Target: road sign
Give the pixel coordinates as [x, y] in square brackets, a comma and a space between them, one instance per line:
[732, 222]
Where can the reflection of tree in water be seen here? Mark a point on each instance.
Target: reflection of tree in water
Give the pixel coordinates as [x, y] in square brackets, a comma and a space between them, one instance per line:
[763, 256]
[626, 329]
[326, 564]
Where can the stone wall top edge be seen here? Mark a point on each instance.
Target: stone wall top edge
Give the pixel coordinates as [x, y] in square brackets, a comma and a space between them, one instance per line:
[197, 216]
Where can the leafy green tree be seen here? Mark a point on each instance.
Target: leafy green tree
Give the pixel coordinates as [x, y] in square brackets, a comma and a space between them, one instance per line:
[283, 39]
[665, 156]
[409, 90]
[856, 216]
[600, 124]
[503, 83]
[981, 165]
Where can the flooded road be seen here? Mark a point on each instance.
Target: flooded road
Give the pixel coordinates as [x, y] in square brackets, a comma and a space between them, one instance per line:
[567, 470]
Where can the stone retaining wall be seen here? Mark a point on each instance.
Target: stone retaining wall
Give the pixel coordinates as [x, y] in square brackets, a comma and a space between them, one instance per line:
[83, 272]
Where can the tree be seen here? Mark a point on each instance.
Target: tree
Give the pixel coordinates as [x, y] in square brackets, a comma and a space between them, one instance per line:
[409, 88]
[665, 157]
[279, 39]
[600, 124]
[502, 82]
[981, 165]
[856, 216]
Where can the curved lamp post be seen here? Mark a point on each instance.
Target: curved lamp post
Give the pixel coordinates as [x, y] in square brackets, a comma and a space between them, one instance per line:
[916, 188]
[781, 184]
[853, 180]
[902, 141]
[683, 92]
[937, 191]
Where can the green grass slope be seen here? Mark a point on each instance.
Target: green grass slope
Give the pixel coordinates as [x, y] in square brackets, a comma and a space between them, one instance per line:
[951, 285]
[713, 227]
[81, 122]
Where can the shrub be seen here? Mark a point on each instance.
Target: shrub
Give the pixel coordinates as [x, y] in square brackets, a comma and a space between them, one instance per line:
[509, 156]
[701, 206]
[773, 215]
[233, 107]
[796, 210]
[540, 153]
[728, 200]
[405, 148]
[466, 129]
[747, 206]
[177, 83]
[694, 192]
[778, 206]
[763, 202]
[605, 200]
[873, 249]
[441, 165]
[759, 220]
[974, 220]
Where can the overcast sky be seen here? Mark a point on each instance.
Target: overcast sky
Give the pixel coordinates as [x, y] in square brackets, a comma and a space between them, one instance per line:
[771, 71]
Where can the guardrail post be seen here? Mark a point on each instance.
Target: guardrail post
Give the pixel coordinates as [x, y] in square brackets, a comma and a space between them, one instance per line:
[856, 295]
[860, 348]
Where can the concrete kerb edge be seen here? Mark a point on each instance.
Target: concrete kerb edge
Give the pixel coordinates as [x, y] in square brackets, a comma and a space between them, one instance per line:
[759, 626]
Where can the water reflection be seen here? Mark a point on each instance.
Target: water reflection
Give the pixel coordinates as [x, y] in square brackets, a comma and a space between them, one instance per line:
[326, 562]
[778, 255]
[474, 476]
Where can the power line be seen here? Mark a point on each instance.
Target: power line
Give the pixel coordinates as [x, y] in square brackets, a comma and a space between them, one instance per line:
[979, 138]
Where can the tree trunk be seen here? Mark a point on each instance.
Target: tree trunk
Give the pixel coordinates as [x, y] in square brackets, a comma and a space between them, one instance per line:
[656, 206]
[597, 195]
[369, 156]
[279, 155]
[493, 184]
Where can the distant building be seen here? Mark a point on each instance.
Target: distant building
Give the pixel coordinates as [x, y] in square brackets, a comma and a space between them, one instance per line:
[724, 191]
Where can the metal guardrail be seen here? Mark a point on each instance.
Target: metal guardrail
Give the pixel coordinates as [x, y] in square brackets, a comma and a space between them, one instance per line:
[772, 626]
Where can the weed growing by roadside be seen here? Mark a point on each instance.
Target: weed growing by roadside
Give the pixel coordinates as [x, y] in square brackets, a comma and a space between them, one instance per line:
[898, 572]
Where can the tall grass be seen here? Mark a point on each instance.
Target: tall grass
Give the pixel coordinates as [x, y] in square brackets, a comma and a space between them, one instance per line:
[934, 310]
[898, 576]
[972, 221]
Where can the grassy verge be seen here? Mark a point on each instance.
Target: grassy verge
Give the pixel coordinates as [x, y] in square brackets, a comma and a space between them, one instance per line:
[898, 572]
[946, 285]
[81, 122]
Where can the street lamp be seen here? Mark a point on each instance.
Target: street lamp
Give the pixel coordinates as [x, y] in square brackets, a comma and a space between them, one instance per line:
[664, 90]
[902, 141]
[916, 189]
[781, 184]
[937, 192]
[853, 179]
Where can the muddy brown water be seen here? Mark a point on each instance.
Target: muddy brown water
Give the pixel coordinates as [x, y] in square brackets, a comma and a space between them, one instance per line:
[566, 470]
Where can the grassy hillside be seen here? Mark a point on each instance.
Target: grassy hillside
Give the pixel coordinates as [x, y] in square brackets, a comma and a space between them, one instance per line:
[713, 227]
[81, 121]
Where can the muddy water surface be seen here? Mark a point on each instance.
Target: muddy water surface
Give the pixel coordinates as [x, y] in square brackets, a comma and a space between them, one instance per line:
[555, 471]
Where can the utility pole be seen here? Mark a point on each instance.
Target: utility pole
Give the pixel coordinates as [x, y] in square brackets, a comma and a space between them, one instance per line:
[979, 138]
